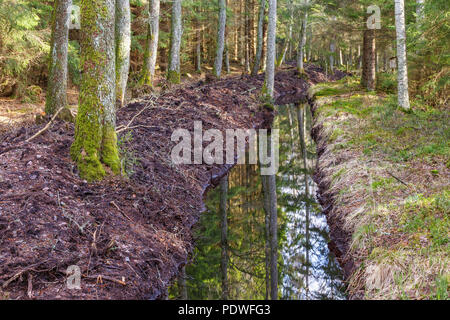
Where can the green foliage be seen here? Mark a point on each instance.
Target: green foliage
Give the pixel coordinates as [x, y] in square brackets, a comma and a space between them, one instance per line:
[429, 216]
[387, 82]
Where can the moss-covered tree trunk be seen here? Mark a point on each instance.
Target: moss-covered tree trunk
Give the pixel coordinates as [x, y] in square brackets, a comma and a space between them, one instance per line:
[220, 38]
[173, 74]
[151, 49]
[95, 146]
[123, 46]
[57, 79]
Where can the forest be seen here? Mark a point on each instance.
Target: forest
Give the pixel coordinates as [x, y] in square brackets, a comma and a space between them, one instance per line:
[224, 150]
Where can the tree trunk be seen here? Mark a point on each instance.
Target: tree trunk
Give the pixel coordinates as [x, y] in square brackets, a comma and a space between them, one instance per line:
[151, 50]
[123, 46]
[224, 235]
[403, 95]
[182, 288]
[95, 144]
[302, 43]
[57, 79]
[173, 74]
[301, 117]
[273, 232]
[271, 38]
[266, 234]
[368, 78]
[333, 52]
[260, 36]
[220, 38]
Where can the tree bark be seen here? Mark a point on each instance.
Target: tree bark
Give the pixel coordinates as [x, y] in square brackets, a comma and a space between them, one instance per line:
[368, 78]
[403, 95]
[302, 42]
[173, 74]
[95, 144]
[182, 288]
[123, 47]
[220, 38]
[151, 49]
[57, 79]
[271, 38]
[259, 38]
[224, 235]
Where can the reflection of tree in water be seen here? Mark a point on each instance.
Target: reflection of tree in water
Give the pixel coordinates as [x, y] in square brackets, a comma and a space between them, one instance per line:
[306, 268]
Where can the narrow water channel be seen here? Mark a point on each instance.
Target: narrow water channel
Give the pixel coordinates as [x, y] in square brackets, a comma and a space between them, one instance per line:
[306, 267]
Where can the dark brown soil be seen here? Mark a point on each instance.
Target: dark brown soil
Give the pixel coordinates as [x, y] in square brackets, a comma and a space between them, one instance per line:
[129, 236]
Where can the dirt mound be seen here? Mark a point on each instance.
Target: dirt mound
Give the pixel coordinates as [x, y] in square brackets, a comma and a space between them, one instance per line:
[128, 236]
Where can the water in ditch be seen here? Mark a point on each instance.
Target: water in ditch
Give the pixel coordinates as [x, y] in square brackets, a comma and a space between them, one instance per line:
[306, 268]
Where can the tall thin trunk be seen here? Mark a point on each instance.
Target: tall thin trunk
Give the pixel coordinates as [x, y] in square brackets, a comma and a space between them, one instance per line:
[220, 38]
[123, 46]
[270, 205]
[57, 79]
[95, 143]
[151, 50]
[182, 288]
[271, 38]
[264, 47]
[333, 52]
[173, 74]
[247, 36]
[301, 117]
[302, 43]
[260, 36]
[368, 78]
[224, 235]
[403, 95]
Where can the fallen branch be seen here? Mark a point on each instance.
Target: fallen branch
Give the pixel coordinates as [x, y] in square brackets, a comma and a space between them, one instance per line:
[150, 104]
[398, 179]
[46, 126]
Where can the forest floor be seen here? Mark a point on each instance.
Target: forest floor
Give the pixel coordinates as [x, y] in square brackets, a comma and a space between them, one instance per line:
[130, 235]
[384, 176]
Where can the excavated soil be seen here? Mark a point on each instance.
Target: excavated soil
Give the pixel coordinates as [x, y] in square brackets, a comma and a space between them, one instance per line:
[129, 236]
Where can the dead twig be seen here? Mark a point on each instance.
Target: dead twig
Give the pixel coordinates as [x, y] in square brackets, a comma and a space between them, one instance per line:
[398, 179]
[120, 210]
[100, 279]
[150, 104]
[46, 126]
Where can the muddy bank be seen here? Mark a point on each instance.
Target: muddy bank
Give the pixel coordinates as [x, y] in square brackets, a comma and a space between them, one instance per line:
[129, 236]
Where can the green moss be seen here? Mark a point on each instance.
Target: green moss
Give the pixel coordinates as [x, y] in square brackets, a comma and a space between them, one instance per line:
[173, 77]
[110, 151]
